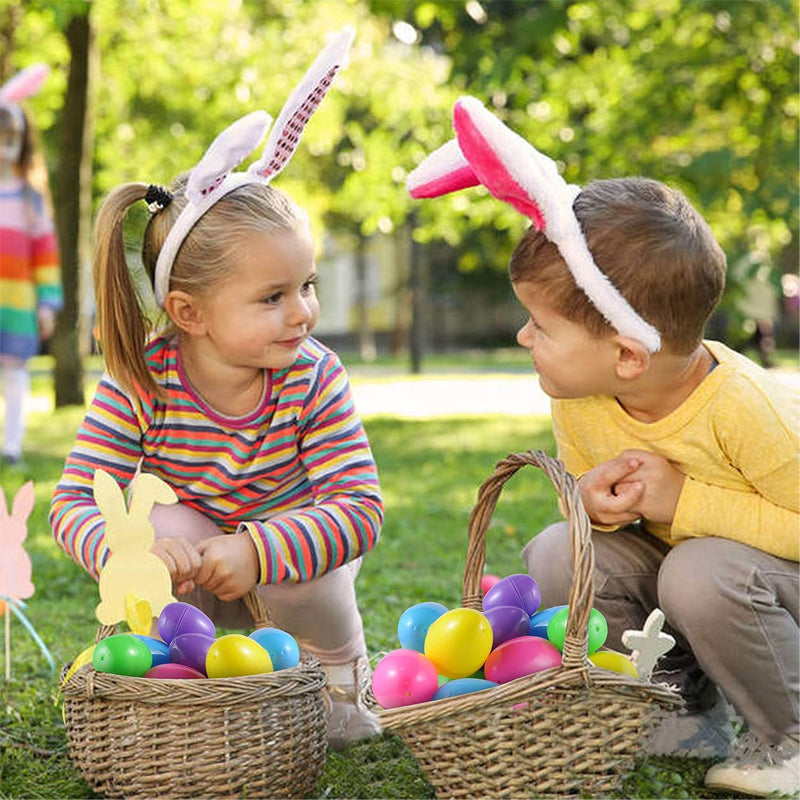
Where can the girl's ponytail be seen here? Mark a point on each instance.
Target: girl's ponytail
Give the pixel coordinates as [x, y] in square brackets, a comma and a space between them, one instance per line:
[122, 325]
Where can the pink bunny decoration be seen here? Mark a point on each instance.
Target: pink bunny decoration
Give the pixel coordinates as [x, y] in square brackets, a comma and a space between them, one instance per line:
[15, 564]
[485, 151]
[213, 177]
[24, 84]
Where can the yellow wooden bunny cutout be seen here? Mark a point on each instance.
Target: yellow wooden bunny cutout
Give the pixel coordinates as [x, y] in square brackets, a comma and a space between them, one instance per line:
[131, 570]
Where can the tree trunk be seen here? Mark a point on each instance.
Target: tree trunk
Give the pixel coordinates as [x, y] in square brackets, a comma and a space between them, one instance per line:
[10, 17]
[73, 202]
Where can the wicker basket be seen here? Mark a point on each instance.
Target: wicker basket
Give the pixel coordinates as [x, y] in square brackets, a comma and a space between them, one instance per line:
[254, 736]
[574, 730]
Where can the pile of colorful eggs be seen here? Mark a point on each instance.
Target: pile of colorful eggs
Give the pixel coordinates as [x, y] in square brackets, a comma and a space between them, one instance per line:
[188, 647]
[445, 653]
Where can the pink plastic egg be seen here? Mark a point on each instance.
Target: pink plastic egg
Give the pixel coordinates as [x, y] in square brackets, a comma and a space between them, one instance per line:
[521, 656]
[404, 678]
[178, 618]
[515, 590]
[173, 672]
[487, 581]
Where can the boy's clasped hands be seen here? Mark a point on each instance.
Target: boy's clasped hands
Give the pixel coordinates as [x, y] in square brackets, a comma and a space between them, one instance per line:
[636, 484]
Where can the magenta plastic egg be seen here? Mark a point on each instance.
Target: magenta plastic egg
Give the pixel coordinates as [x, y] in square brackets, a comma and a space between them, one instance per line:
[540, 619]
[458, 642]
[514, 590]
[414, 622]
[282, 647]
[190, 649]
[459, 686]
[235, 655]
[519, 657]
[597, 629]
[122, 654]
[487, 581]
[178, 618]
[173, 672]
[508, 622]
[404, 678]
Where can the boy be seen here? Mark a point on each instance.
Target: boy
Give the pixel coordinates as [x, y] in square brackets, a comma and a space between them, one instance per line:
[686, 453]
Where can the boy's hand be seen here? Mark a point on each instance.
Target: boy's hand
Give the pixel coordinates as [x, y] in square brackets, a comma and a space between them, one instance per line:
[229, 566]
[610, 493]
[182, 560]
[662, 482]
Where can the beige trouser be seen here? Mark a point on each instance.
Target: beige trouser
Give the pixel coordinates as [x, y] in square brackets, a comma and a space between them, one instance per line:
[322, 614]
[732, 609]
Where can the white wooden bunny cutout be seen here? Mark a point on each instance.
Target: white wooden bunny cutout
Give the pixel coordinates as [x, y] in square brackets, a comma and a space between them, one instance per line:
[131, 570]
[15, 564]
[486, 152]
[213, 177]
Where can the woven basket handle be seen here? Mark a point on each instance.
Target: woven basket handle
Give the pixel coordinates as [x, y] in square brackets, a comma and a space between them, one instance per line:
[581, 594]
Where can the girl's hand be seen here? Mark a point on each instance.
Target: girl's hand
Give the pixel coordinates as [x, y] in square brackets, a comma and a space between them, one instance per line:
[610, 493]
[182, 560]
[229, 566]
[662, 482]
[46, 322]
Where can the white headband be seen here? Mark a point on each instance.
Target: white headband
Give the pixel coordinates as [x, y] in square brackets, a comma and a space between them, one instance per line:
[487, 152]
[213, 177]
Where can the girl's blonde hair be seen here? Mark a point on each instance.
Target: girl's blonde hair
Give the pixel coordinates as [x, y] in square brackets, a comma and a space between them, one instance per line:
[652, 245]
[205, 258]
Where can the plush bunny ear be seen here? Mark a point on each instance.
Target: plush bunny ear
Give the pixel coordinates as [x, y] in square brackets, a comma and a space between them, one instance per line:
[444, 171]
[302, 103]
[24, 84]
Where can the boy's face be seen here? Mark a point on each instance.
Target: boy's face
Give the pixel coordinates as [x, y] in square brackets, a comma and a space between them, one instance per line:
[569, 360]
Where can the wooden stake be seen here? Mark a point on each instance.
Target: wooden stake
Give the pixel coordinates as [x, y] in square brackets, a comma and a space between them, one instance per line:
[8, 642]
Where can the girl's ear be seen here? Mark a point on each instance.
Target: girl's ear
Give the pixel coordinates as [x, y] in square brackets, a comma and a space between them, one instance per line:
[185, 312]
[632, 359]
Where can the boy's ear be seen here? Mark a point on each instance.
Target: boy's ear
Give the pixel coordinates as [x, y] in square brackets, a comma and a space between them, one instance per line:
[184, 312]
[632, 358]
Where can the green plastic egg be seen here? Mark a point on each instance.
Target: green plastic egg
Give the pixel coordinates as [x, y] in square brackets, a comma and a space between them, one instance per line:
[122, 654]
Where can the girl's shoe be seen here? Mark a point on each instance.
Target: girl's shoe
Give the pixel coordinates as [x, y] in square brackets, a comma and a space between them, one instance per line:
[348, 720]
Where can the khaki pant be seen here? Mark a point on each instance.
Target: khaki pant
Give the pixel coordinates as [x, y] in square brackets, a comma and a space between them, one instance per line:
[732, 609]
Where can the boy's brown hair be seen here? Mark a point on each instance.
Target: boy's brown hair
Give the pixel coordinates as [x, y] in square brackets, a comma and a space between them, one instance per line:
[653, 246]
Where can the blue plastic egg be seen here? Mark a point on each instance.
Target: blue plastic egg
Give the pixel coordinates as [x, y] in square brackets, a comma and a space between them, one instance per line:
[412, 627]
[284, 652]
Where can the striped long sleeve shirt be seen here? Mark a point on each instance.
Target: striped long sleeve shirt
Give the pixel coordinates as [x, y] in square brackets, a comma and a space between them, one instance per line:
[297, 474]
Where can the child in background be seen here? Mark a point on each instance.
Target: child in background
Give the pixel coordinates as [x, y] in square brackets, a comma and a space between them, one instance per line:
[234, 404]
[30, 279]
[686, 453]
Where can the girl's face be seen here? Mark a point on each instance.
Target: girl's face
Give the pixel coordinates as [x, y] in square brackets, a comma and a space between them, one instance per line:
[12, 127]
[264, 311]
[570, 361]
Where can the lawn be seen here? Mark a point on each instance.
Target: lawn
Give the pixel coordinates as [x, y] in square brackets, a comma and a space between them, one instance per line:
[430, 471]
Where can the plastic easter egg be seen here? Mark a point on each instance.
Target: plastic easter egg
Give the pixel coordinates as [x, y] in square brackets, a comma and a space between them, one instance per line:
[158, 649]
[539, 620]
[458, 642]
[459, 686]
[122, 654]
[414, 622]
[170, 671]
[487, 581]
[234, 655]
[282, 647]
[404, 678]
[177, 618]
[519, 657]
[514, 590]
[598, 629]
[508, 622]
[190, 649]
[616, 662]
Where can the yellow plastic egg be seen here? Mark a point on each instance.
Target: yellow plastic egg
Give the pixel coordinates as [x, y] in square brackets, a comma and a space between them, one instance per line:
[234, 655]
[458, 642]
[616, 662]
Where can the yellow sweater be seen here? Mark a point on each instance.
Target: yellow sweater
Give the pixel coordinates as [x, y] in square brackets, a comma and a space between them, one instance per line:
[736, 440]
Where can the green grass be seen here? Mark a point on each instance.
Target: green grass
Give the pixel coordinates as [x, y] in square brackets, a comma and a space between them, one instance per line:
[430, 472]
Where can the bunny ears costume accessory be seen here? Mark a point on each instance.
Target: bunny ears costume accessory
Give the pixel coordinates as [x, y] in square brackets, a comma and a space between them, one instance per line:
[23, 85]
[213, 177]
[486, 152]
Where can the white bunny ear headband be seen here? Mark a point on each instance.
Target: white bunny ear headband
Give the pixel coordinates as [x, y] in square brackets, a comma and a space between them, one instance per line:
[23, 85]
[213, 177]
[486, 152]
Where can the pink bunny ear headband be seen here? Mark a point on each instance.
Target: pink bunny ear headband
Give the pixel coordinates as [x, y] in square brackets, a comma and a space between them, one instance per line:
[486, 152]
[213, 177]
[23, 85]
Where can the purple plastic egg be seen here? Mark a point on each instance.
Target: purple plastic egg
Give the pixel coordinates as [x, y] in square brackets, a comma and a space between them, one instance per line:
[190, 649]
[507, 622]
[515, 590]
[178, 618]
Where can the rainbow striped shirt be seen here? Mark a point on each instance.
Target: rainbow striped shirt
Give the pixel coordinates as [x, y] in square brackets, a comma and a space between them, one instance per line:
[30, 276]
[297, 473]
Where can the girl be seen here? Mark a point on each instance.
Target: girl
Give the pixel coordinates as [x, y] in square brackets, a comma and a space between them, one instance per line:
[30, 279]
[234, 404]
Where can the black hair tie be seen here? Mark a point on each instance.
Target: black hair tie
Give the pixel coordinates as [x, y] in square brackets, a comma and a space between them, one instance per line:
[157, 198]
